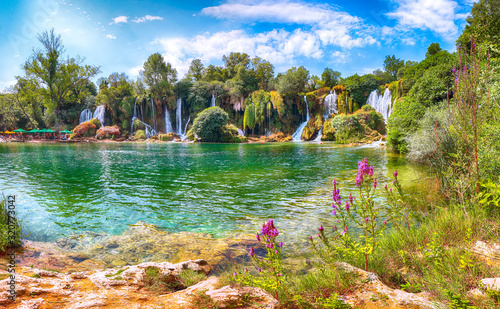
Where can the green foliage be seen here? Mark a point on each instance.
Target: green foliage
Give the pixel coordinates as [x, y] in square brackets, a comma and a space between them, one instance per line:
[432, 142]
[230, 134]
[363, 213]
[139, 125]
[157, 282]
[392, 65]
[196, 70]
[209, 123]
[403, 122]
[249, 116]
[159, 76]
[140, 134]
[10, 228]
[333, 302]
[414, 72]
[433, 49]
[371, 118]
[434, 85]
[328, 131]
[483, 24]
[259, 100]
[330, 78]
[490, 195]
[190, 277]
[292, 82]
[347, 129]
[359, 87]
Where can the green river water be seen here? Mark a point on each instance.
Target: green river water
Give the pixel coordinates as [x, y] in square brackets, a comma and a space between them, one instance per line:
[64, 189]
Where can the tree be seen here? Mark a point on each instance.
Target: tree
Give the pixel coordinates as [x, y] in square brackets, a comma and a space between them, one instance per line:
[392, 65]
[433, 49]
[59, 77]
[160, 76]
[196, 70]
[330, 78]
[293, 81]
[213, 72]
[235, 59]
[263, 71]
[249, 116]
[483, 26]
[314, 83]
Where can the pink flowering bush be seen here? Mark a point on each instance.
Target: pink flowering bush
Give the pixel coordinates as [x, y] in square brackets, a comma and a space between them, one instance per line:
[364, 214]
[269, 274]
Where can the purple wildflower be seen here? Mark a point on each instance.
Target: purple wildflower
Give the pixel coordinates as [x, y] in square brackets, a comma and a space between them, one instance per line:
[260, 269]
[334, 212]
[252, 252]
[258, 237]
[321, 228]
[395, 174]
[347, 206]
[281, 244]
[375, 182]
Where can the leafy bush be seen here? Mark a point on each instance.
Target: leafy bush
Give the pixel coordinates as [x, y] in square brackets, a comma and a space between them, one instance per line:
[347, 129]
[432, 142]
[230, 134]
[367, 108]
[328, 131]
[208, 125]
[372, 119]
[140, 134]
[403, 122]
[87, 129]
[139, 125]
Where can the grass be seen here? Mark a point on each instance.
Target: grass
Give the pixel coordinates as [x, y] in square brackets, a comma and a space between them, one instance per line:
[160, 283]
[435, 256]
[116, 274]
[4, 229]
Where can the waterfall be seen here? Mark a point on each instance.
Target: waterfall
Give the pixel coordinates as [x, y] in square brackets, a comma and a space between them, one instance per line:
[381, 103]
[178, 115]
[168, 123]
[297, 136]
[330, 108]
[133, 117]
[185, 128]
[153, 113]
[268, 131]
[212, 102]
[331, 104]
[241, 132]
[85, 116]
[320, 134]
[99, 114]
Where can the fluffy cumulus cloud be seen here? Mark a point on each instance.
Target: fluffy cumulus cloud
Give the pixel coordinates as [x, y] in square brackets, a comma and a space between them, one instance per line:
[146, 18]
[110, 36]
[436, 15]
[119, 19]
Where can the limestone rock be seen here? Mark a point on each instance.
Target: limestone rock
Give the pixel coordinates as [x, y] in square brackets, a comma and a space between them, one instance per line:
[108, 132]
[490, 284]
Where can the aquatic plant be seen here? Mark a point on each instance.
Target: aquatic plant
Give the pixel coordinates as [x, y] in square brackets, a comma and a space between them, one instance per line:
[364, 214]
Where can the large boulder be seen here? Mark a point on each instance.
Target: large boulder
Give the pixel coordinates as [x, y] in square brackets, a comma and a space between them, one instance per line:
[313, 126]
[108, 132]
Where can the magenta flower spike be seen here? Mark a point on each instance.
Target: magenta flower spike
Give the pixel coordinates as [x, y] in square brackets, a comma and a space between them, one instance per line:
[321, 228]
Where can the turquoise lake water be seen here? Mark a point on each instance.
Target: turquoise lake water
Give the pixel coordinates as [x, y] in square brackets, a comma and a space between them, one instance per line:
[220, 189]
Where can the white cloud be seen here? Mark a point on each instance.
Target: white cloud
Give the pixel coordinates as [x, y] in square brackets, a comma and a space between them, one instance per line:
[119, 19]
[435, 15]
[281, 12]
[146, 18]
[409, 41]
[135, 71]
[110, 36]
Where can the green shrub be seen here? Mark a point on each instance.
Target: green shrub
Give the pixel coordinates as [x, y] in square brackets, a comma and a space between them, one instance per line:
[367, 108]
[6, 231]
[403, 122]
[372, 119]
[95, 122]
[230, 134]
[164, 138]
[347, 129]
[328, 131]
[208, 125]
[140, 134]
[139, 125]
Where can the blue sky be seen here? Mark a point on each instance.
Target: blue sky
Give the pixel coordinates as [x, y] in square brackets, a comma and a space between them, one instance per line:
[350, 36]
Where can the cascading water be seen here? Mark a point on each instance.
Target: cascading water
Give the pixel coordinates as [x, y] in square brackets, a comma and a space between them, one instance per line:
[183, 136]
[331, 103]
[85, 115]
[133, 118]
[297, 136]
[330, 108]
[241, 132]
[153, 113]
[168, 122]
[178, 115]
[381, 103]
[268, 130]
[212, 101]
[99, 114]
